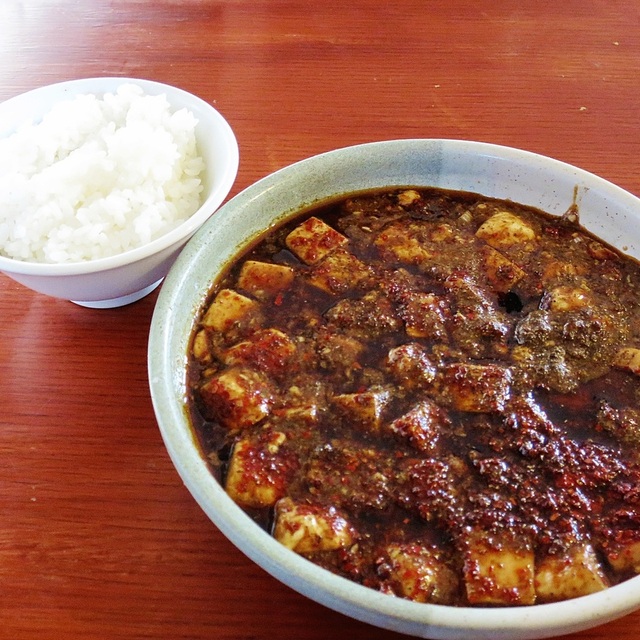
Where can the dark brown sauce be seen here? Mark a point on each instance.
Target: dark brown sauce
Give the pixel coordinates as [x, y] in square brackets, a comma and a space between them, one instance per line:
[552, 464]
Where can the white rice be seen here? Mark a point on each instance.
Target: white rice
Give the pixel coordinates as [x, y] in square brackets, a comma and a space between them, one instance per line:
[97, 176]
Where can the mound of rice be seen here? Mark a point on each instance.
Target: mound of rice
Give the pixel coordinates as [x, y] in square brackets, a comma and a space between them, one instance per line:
[97, 176]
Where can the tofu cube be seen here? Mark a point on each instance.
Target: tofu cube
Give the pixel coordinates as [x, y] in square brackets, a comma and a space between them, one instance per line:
[564, 576]
[338, 272]
[337, 351]
[502, 273]
[505, 229]
[228, 308]
[628, 359]
[304, 414]
[200, 347]
[599, 251]
[625, 558]
[313, 240]
[408, 197]
[265, 280]
[565, 298]
[424, 315]
[421, 426]
[256, 476]
[238, 397]
[557, 269]
[442, 232]
[395, 241]
[268, 350]
[476, 388]
[411, 365]
[308, 528]
[498, 571]
[419, 574]
[365, 409]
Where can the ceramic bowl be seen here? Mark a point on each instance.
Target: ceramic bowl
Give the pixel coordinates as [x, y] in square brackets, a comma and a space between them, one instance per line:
[607, 210]
[126, 277]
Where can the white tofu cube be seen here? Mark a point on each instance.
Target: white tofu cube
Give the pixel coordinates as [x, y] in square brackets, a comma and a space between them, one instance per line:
[625, 557]
[417, 573]
[421, 426]
[268, 350]
[498, 571]
[313, 240]
[228, 308]
[308, 528]
[425, 316]
[397, 242]
[411, 365]
[255, 478]
[505, 229]
[338, 272]
[503, 274]
[476, 388]
[366, 408]
[565, 298]
[238, 397]
[628, 359]
[564, 576]
[265, 280]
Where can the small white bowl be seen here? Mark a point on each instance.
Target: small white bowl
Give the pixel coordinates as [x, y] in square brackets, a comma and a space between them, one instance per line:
[124, 278]
[494, 171]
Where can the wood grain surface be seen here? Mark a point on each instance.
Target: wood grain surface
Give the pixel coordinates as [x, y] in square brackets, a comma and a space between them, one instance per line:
[99, 539]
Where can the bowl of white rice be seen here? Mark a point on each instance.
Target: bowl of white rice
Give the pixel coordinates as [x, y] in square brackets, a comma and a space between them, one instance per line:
[103, 181]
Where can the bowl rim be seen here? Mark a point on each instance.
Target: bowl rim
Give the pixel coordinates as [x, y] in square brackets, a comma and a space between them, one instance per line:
[336, 592]
[227, 173]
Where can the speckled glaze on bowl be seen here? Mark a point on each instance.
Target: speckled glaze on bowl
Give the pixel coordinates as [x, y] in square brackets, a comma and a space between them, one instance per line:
[126, 277]
[605, 209]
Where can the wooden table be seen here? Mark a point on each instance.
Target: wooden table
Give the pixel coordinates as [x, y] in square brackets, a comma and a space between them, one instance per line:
[98, 536]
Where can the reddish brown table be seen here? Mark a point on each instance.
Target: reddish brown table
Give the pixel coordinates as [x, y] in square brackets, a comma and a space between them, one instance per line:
[98, 536]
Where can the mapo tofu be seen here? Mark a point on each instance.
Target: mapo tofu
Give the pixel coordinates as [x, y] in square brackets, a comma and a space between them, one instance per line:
[430, 393]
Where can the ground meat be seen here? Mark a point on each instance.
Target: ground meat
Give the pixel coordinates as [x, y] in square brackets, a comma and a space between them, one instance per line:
[347, 474]
[368, 318]
[478, 326]
[566, 349]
